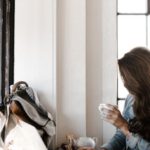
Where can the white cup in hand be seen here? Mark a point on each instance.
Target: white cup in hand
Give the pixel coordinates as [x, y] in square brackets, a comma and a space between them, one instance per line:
[104, 106]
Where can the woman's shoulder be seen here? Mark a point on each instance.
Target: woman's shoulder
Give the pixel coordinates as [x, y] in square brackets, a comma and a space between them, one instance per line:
[128, 109]
[129, 100]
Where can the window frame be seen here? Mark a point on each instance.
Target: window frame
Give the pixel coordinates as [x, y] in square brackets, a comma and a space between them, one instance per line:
[133, 14]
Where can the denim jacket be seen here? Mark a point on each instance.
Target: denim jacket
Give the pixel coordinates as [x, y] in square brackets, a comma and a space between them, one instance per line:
[119, 141]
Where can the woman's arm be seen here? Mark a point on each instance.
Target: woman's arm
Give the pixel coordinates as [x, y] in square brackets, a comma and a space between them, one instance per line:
[114, 117]
[118, 141]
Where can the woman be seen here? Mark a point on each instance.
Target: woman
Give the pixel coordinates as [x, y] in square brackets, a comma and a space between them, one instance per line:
[133, 131]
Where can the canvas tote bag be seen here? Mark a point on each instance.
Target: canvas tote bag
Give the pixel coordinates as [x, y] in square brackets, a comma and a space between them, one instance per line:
[19, 135]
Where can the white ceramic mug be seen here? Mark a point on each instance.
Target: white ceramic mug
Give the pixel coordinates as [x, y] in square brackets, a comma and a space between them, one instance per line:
[101, 106]
[86, 142]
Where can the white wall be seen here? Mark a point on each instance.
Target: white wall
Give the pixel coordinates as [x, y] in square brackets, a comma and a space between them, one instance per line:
[109, 59]
[75, 73]
[93, 68]
[34, 47]
[101, 64]
[71, 68]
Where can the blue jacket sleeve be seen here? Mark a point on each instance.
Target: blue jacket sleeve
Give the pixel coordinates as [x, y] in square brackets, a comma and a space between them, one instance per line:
[116, 143]
[134, 141]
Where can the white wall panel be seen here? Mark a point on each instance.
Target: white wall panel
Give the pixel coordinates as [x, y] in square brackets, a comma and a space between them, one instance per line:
[74, 70]
[71, 68]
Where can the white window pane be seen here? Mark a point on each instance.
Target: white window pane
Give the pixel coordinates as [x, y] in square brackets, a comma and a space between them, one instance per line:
[132, 6]
[121, 105]
[131, 32]
[149, 32]
[122, 91]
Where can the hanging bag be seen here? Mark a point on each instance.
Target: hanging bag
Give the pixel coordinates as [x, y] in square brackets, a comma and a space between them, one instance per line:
[23, 103]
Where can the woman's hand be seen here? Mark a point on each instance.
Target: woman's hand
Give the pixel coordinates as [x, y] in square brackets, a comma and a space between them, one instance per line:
[112, 115]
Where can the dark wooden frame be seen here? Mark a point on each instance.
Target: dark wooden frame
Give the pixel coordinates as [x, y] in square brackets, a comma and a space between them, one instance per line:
[7, 48]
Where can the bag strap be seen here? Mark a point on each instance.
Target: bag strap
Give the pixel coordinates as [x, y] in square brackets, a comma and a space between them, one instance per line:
[17, 85]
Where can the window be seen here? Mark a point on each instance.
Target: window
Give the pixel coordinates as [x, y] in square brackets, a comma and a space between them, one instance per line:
[133, 18]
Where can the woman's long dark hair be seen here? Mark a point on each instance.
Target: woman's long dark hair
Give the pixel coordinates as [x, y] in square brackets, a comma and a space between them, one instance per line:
[135, 71]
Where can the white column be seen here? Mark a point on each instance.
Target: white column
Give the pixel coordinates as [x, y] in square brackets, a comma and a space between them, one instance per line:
[71, 68]
[109, 59]
[94, 68]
